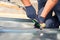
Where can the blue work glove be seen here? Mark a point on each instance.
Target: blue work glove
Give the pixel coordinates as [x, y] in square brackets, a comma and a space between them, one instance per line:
[30, 11]
[41, 22]
[40, 19]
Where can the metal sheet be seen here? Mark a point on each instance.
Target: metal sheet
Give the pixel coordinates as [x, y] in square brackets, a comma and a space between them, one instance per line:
[30, 34]
[8, 32]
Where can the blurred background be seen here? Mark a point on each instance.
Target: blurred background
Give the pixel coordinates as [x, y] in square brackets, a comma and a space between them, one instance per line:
[15, 11]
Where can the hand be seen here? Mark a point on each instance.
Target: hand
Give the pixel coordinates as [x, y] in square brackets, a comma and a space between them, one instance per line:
[41, 21]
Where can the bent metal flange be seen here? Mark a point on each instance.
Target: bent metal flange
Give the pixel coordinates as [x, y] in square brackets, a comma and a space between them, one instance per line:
[19, 31]
[31, 30]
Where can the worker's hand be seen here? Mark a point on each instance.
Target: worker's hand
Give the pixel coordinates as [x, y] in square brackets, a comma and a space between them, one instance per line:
[41, 21]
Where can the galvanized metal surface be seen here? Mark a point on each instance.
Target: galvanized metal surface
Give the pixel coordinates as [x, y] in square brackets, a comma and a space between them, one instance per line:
[26, 31]
[30, 34]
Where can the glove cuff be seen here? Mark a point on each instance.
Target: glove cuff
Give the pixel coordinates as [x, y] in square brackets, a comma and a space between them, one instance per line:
[40, 19]
[28, 6]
